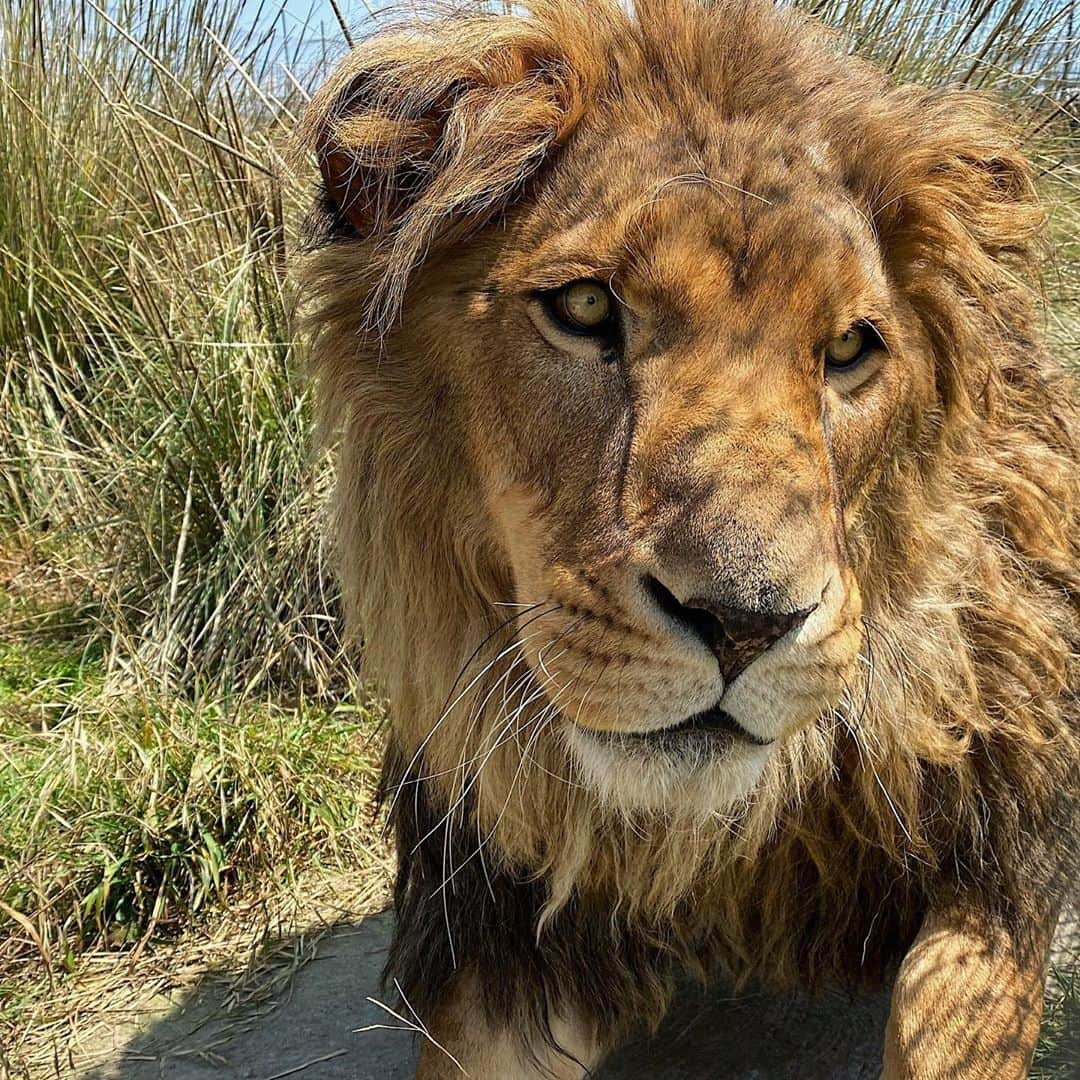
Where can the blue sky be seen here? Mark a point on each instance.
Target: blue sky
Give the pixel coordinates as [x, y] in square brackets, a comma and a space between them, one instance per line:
[315, 20]
[324, 42]
[315, 12]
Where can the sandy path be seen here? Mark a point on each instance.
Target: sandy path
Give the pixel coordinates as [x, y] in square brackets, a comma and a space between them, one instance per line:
[706, 1035]
[312, 1032]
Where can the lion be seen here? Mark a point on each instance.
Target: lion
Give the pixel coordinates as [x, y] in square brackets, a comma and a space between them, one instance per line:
[709, 507]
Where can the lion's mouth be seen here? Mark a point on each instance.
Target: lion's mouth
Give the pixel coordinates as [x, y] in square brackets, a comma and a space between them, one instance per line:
[713, 723]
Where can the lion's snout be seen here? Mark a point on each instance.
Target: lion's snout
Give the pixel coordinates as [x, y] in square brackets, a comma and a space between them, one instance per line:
[736, 636]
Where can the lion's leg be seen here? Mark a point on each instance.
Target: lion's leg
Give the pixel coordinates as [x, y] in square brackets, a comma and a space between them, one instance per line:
[468, 1044]
[968, 1000]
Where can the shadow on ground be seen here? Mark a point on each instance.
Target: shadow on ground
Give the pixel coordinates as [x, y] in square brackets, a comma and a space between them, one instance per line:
[311, 1032]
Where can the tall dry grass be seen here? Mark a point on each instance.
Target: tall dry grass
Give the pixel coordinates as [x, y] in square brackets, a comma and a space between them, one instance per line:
[153, 411]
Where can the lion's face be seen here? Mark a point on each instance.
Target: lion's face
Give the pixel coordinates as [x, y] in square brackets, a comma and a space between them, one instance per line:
[672, 392]
[647, 335]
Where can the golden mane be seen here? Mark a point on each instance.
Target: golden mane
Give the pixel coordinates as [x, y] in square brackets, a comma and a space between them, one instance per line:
[953, 764]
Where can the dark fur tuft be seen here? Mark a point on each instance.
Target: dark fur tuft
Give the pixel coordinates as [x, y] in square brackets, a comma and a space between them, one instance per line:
[585, 959]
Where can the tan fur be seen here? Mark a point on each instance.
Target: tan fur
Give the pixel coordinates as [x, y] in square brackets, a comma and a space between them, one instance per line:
[748, 192]
[967, 1002]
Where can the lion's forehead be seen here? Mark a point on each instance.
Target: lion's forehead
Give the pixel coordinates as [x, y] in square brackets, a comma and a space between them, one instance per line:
[751, 224]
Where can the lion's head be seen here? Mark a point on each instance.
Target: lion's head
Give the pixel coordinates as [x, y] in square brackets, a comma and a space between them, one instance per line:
[695, 452]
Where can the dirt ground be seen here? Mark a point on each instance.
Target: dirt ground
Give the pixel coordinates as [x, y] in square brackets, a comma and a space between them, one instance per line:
[316, 1030]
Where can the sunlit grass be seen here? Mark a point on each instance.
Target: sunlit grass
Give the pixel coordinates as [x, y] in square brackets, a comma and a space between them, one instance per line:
[154, 412]
[130, 815]
[126, 817]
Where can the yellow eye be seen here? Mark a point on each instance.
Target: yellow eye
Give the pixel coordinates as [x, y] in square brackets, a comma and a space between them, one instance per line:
[846, 348]
[583, 306]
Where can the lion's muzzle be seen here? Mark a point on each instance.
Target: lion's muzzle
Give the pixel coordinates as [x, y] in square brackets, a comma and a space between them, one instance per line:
[735, 636]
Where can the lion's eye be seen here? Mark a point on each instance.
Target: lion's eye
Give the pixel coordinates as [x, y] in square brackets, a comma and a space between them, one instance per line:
[582, 307]
[852, 346]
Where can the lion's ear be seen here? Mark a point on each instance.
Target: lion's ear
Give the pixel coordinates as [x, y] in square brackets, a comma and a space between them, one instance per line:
[958, 195]
[422, 135]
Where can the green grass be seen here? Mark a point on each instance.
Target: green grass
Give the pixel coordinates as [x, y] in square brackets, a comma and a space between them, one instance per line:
[176, 726]
[130, 814]
[26, 669]
[50, 652]
[176, 720]
[155, 415]
[1058, 1054]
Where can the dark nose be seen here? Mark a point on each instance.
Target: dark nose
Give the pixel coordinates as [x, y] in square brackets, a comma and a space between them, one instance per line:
[736, 636]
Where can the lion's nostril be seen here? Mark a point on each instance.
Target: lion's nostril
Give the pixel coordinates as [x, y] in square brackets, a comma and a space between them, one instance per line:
[735, 636]
[698, 620]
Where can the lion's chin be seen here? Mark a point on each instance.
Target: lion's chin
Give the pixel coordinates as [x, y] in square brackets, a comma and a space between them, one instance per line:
[698, 775]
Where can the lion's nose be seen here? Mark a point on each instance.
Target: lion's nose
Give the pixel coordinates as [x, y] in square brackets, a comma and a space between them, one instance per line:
[736, 636]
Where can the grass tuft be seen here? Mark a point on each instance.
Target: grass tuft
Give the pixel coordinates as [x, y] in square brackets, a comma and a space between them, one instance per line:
[130, 817]
[1058, 1053]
